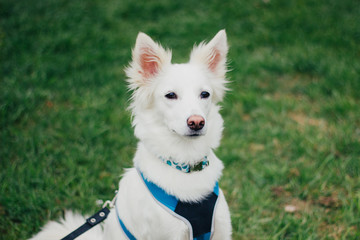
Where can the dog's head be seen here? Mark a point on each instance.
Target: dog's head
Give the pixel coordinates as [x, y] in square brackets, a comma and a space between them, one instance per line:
[178, 100]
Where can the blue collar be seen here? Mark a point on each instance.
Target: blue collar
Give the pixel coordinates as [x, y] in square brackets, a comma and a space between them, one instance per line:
[186, 168]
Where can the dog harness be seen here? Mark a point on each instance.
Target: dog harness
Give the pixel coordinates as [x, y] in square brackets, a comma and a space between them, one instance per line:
[198, 216]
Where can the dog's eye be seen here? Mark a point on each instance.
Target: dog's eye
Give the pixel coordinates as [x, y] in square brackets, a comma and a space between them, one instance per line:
[171, 95]
[204, 94]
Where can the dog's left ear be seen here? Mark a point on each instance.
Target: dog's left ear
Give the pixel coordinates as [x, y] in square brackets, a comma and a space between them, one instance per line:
[213, 54]
[213, 57]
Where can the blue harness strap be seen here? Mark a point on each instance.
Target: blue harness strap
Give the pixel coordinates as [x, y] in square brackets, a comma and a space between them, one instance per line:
[125, 230]
[198, 215]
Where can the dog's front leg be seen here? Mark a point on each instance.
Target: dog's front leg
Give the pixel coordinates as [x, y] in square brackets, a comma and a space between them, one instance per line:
[222, 228]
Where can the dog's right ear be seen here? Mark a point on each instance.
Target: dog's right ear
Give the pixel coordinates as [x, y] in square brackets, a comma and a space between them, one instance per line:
[213, 56]
[148, 60]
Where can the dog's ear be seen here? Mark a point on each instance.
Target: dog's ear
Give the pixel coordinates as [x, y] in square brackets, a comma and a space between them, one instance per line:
[149, 58]
[213, 57]
[213, 54]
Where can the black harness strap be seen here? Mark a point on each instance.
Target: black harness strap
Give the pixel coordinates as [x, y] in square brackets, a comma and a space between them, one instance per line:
[90, 223]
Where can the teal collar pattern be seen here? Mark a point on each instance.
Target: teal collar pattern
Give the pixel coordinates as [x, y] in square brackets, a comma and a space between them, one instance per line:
[186, 168]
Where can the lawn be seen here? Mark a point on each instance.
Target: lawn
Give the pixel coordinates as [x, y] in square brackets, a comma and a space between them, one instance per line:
[291, 143]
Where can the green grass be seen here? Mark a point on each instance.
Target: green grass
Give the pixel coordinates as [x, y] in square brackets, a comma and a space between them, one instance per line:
[292, 119]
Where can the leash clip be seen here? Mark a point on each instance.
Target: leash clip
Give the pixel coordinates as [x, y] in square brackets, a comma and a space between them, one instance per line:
[108, 204]
[111, 203]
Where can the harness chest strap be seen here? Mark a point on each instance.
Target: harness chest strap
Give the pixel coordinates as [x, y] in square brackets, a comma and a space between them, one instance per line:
[199, 216]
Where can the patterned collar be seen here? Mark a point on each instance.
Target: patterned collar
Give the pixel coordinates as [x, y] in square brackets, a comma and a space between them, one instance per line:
[186, 168]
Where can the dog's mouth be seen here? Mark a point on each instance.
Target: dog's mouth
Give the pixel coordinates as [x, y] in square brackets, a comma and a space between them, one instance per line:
[195, 134]
[191, 134]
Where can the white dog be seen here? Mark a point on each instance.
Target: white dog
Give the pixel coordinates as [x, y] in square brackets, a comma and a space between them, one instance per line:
[172, 191]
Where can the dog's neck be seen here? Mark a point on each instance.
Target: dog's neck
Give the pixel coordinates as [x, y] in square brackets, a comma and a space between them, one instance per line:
[192, 186]
[186, 168]
[180, 152]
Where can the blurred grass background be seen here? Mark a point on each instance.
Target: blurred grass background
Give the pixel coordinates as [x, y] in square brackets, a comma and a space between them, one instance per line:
[291, 142]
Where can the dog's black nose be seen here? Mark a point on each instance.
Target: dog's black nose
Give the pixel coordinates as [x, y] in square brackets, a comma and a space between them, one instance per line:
[196, 122]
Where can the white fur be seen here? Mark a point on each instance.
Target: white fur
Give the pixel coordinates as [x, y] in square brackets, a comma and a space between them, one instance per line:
[161, 126]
